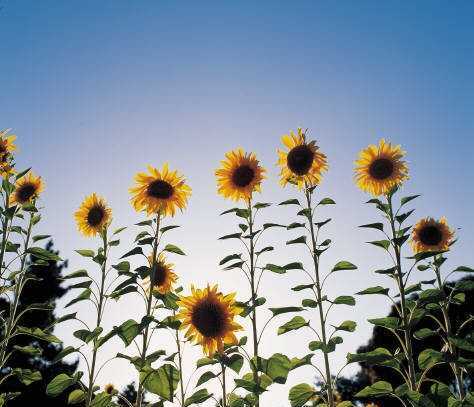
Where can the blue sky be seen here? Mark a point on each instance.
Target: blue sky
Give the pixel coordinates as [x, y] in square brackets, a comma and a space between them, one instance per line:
[95, 91]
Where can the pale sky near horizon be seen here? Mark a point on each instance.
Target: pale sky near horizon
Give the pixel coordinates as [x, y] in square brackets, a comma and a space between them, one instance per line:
[95, 91]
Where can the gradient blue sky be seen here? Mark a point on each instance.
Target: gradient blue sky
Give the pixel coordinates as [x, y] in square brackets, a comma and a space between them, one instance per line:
[95, 91]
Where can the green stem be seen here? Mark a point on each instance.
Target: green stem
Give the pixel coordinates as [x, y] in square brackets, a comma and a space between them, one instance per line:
[401, 288]
[180, 364]
[95, 349]
[329, 386]
[4, 233]
[255, 368]
[18, 289]
[140, 392]
[224, 392]
[448, 327]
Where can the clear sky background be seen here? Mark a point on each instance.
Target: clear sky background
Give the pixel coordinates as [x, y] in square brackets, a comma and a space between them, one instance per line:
[95, 91]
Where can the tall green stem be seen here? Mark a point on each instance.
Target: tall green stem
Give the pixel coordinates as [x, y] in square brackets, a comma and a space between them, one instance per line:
[224, 391]
[148, 307]
[180, 364]
[315, 255]
[447, 322]
[253, 290]
[401, 288]
[18, 289]
[5, 221]
[100, 306]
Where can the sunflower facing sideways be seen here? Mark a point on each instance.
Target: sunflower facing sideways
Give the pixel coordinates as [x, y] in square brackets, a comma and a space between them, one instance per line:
[27, 189]
[380, 168]
[161, 192]
[6, 149]
[93, 216]
[431, 235]
[163, 276]
[208, 318]
[302, 163]
[239, 176]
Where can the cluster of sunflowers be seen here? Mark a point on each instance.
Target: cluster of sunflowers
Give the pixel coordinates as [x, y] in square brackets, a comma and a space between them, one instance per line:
[208, 317]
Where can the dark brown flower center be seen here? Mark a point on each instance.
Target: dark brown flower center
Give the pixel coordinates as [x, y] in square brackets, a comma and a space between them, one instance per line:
[159, 275]
[430, 235]
[300, 159]
[208, 318]
[381, 168]
[95, 216]
[25, 192]
[243, 176]
[160, 189]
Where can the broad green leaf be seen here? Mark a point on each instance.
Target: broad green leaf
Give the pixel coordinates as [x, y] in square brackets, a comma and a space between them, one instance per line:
[200, 396]
[60, 383]
[345, 299]
[284, 310]
[38, 333]
[326, 201]
[378, 226]
[173, 249]
[290, 202]
[429, 357]
[86, 252]
[376, 356]
[344, 265]
[206, 376]
[374, 290]
[162, 381]
[76, 396]
[292, 325]
[384, 244]
[348, 326]
[300, 394]
[387, 322]
[298, 240]
[377, 389]
[27, 376]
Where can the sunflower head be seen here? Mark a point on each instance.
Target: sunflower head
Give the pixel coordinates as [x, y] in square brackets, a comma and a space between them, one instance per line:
[109, 388]
[380, 168]
[93, 216]
[27, 189]
[301, 163]
[431, 235]
[239, 176]
[160, 191]
[208, 318]
[6, 149]
[161, 275]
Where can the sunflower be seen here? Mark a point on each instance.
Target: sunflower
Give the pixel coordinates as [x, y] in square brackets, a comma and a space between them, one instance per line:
[109, 388]
[380, 168]
[160, 191]
[27, 189]
[430, 235]
[302, 164]
[239, 176]
[163, 276]
[208, 316]
[6, 157]
[93, 216]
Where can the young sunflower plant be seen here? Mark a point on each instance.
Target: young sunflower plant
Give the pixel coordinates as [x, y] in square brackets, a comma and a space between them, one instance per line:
[440, 302]
[302, 164]
[93, 219]
[238, 178]
[380, 171]
[160, 193]
[19, 216]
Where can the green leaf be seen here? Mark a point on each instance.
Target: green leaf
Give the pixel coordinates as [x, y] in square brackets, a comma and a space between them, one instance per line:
[345, 299]
[431, 295]
[206, 376]
[38, 334]
[272, 225]
[374, 290]
[133, 252]
[169, 227]
[466, 343]
[301, 239]
[234, 362]
[84, 295]
[344, 265]
[86, 252]
[384, 244]
[284, 310]
[37, 238]
[76, 274]
[199, 396]
[387, 322]
[235, 256]
[378, 389]
[300, 394]
[76, 396]
[173, 249]
[303, 287]
[231, 236]
[378, 226]
[464, 269]
[290, 202]
[60, 383]
[464, 285]
[295, 225]
[260, 205]
[205, 361]
[162, 381]
[101, 400]
[292, 325]
[275, 269]
[429, 357]
[377, 356]
[28, 350]
[348, 326]
[43, 254]
[326, 201]
[424, 333]
[298, 362]
[87, 336]
[27, 376]
[407, 199]
[128, 331]
[308, 302]
[276, 367]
